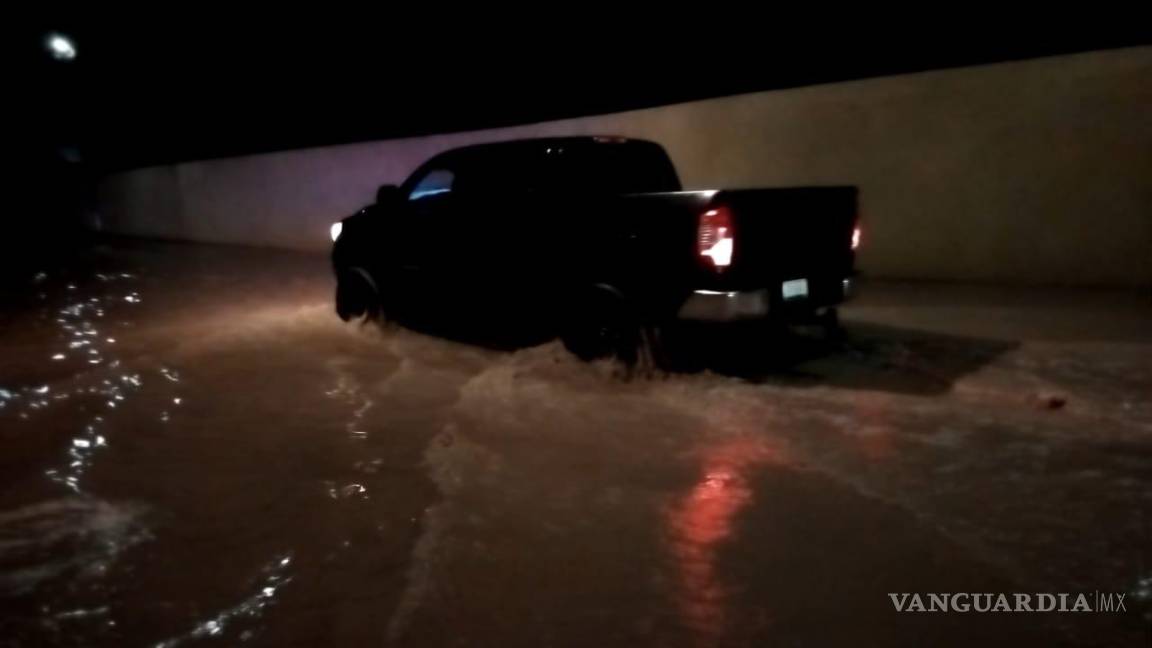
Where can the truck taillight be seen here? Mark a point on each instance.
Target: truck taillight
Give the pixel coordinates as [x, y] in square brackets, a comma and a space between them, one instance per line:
[715, 237]
[856, 237]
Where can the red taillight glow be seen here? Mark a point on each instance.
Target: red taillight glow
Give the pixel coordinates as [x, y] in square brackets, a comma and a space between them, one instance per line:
[715, 237]
[855, 238]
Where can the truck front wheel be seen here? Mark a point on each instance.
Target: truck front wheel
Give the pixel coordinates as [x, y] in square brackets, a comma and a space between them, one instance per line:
[356, 295]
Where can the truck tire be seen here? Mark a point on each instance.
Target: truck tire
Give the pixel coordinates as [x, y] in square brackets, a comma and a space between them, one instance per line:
[830, 323]
[600, 323]
[357, 295]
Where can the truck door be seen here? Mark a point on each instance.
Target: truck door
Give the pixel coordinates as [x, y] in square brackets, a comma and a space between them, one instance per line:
[425, 225]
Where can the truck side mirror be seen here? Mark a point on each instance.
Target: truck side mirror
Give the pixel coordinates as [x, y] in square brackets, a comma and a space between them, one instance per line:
[387, 194]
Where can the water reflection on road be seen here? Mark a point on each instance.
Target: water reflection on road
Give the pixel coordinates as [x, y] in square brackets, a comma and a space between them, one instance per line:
[702, 521]
[196, 451]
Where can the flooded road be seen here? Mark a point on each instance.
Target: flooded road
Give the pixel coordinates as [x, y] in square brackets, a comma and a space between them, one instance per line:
[196, 451]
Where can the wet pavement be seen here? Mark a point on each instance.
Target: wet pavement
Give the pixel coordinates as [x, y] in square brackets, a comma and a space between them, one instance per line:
[196, 451]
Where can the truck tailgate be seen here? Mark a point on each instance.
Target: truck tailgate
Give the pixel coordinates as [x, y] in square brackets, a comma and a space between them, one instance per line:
[783, 234]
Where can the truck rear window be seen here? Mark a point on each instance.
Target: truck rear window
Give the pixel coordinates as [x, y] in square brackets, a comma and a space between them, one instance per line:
[583, 166]
[612, 168]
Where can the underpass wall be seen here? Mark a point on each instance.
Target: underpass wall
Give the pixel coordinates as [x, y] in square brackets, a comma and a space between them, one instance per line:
[1037, 171]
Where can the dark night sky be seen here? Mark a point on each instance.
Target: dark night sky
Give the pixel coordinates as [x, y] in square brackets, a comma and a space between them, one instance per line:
[149, 89]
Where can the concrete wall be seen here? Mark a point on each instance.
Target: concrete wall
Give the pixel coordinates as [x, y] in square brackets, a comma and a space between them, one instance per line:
[1035, 172]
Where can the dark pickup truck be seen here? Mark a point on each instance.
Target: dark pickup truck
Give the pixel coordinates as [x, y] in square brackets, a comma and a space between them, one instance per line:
[596, 234]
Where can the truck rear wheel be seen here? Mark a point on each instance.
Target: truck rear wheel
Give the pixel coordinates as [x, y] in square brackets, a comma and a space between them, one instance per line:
[830, 324]
[600, 323]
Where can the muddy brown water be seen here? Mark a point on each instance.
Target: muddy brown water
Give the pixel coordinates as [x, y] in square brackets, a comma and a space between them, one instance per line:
[196, 451]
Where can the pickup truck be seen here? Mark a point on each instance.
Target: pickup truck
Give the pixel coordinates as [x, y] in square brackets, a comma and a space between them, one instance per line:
[596, 234]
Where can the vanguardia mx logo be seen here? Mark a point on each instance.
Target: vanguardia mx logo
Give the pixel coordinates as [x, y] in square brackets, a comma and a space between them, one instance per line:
[1015, 602]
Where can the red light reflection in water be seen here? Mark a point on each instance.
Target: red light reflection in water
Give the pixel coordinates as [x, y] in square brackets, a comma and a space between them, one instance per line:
[699, 523]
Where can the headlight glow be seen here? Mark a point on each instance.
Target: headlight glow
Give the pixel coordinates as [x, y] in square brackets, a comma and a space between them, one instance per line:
[60, 47]
[335, 230]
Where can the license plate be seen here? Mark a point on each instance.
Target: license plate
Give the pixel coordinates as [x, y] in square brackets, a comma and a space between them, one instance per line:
[795, 289]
